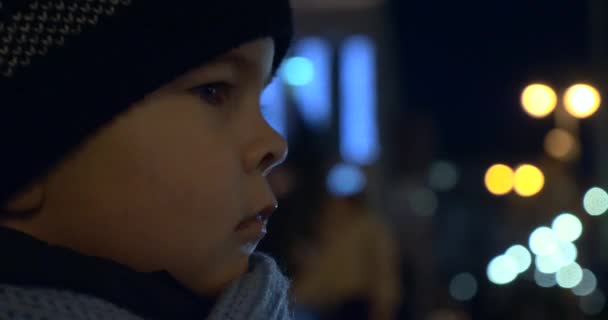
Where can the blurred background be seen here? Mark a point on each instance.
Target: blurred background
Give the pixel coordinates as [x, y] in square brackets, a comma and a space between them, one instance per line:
[448, 160]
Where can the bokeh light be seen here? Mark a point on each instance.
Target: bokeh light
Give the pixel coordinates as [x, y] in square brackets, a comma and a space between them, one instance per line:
[298, 71]
[565, 254]
[594, 303]
[543, 241]
[567, 227]
[345, 180]
[595, 201]
[545, 264]
[561, 144]
[582, 100]
[443, 176]
[544, 280]
[539, 100]
[274, 108]
[521, 255]
[313, 98]
[499, 179]
[528, 181]
[358, 95]
[587, 285]
[463, 287]
[569, 276]
[423, 201]
[502, 270]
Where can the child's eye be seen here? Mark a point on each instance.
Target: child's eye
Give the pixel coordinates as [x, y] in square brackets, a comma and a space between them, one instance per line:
[215, 94]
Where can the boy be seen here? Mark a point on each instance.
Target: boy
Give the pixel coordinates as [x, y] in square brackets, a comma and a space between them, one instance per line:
[135, 156]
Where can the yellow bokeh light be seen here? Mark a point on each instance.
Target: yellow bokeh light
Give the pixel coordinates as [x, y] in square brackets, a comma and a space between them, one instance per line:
[561, 144]
[499, 179]
[582, 100]
[529, 180]
[539, 100]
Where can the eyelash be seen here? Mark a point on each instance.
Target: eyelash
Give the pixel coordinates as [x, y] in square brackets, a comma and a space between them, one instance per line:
[216, 94]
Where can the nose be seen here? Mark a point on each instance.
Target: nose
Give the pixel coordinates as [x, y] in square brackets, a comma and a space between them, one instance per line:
[267, 151]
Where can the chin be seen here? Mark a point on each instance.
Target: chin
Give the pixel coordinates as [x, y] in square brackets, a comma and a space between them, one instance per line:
[249, 248]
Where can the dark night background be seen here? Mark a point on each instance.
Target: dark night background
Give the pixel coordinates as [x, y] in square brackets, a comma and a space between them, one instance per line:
[450, 78]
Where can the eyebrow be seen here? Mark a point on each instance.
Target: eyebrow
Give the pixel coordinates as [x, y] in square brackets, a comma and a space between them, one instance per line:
[244, 62]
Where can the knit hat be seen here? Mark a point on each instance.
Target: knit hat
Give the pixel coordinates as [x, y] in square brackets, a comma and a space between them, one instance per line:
[68, 67]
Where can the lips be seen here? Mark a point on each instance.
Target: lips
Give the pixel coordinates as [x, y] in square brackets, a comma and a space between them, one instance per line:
[257, 221]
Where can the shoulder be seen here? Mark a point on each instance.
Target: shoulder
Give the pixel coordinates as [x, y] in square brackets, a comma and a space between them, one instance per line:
[40, 303]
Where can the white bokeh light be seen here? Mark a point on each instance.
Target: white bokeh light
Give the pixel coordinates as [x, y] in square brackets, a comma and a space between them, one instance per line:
[587, 285]
[567, 227]
[565, 254]
[544, 280]
[543, 241]
[595, 201]
[502, 270]
[569, 276]
[522, 256]
[545, 264]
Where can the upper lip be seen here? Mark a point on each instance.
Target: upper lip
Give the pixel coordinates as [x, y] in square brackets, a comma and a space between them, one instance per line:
[267, 212]
[263, 214]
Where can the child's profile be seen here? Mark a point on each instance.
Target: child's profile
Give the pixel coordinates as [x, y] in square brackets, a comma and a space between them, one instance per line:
[154, 208]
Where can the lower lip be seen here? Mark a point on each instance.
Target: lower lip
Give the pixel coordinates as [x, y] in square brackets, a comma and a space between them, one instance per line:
[252, 229]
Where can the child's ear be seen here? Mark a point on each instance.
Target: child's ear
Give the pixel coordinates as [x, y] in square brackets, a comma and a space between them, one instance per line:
[27, 201]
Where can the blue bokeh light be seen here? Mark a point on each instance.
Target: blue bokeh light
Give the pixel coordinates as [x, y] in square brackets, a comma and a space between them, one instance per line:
[274, 107]
[298, 71]
[313, 99]
[345, 180]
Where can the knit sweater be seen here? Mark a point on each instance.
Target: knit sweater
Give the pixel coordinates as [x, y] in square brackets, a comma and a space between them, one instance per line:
[39, 281]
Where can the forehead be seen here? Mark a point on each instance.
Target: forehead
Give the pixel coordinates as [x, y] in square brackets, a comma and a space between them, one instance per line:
[253, 59]
[258, 52]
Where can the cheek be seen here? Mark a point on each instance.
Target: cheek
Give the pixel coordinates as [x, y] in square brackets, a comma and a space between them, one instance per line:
[192, 195]
[158, 191]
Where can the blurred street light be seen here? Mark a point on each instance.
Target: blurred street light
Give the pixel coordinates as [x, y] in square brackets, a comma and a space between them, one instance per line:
[595, 201]
[544, 280]
[587, 285]
[539, 100]
[561, 144]
[502, 270]
[569, 276]
[529, 180]
[499, 179]
[567, 227]
[582, 100]
[544, 242]
[522, 256]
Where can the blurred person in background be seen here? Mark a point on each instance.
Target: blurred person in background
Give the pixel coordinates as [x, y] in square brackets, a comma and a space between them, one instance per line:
[350, 269]
[134, 159]
[448, 314]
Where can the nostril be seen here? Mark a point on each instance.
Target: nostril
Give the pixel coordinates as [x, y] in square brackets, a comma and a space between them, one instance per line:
[268, 161]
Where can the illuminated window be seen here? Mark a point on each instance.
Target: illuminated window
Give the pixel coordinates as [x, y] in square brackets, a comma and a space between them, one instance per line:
[358, 124]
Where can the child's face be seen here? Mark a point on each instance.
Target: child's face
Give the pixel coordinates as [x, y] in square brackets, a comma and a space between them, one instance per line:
[166, 184]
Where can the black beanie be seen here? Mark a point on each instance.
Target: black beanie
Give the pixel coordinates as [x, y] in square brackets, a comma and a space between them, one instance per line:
[68, 67]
